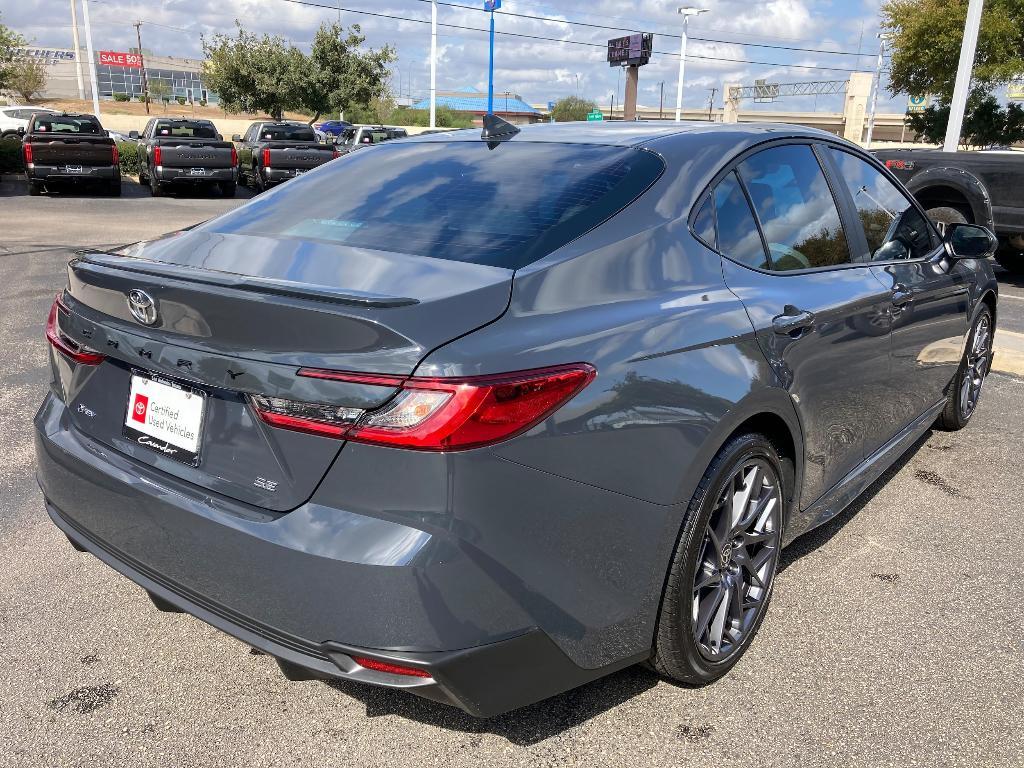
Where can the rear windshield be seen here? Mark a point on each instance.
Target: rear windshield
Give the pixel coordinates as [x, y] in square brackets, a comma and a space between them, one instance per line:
[190, 130]
[505, 207]
[287, 133]
[59, 124]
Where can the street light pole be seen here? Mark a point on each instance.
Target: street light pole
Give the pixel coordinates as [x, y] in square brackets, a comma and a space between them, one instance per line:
[963, 76]
[875, 85]
[491, 6]
[92, 59]
[78, 50]
[686, 12]
[433, 63]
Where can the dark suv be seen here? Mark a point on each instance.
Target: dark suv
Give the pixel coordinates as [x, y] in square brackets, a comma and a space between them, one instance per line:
[487, 417]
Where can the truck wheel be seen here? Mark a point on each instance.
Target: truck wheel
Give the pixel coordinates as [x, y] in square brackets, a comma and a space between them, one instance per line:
[154, 187]
[114, 187]
[944, 215]
[35, 188]
[227, 188]
[257, 175]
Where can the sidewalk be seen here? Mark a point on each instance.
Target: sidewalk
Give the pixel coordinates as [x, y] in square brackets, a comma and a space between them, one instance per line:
[1009, 352]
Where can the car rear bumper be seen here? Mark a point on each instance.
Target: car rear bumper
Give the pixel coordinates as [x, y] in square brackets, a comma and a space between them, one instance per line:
[184, 175]
[312, 587]
[60, 173]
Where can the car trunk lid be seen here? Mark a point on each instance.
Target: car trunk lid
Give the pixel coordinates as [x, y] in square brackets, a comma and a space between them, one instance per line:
[239, 316]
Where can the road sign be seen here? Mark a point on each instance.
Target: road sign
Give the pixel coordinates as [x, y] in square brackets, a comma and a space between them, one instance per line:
[492, 5]
[595, 115]
[917, 104]
[765, 92]
[1015, 91]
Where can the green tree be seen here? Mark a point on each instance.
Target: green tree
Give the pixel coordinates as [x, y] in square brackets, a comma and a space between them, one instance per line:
[572, 108]
[28, 77]
[159, 90]
[10, 42]
[926, 36]
[338, 75]
[251, 73]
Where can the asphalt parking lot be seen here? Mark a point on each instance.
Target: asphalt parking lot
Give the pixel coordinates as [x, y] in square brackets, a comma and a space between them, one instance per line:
[895, 637]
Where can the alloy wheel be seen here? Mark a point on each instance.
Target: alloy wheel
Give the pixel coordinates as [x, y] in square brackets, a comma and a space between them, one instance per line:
[979, 358]
[737, 559]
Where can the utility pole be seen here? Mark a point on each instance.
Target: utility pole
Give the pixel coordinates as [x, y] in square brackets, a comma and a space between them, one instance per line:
[78, 50]
[92, 59]
[963, 76]
[661, 101]
[686, 12]
[875, 85]
[433, 63]
[711, 102]
[142, 65]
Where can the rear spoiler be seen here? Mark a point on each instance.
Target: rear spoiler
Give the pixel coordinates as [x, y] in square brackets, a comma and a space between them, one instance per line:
[101, 262]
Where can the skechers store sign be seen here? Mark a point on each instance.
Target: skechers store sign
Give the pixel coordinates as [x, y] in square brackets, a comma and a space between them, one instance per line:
[50, 55]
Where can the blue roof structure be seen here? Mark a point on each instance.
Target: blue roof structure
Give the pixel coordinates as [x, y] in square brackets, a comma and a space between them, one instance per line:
[479, 104]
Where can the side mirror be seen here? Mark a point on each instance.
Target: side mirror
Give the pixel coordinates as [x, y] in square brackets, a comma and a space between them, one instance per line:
[236, 137]
[21, 131]
[970, 241]
[219, 137]
[133, 134]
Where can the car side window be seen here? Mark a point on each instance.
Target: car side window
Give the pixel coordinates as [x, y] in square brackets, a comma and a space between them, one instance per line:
[894, 228]
[796, 209]
[704, 224]
[738, 236]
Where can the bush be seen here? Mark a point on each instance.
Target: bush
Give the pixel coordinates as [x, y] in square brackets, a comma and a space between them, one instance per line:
[181, 100]
[10, 156]
[202, 102]
[131, 159]
[122, 97]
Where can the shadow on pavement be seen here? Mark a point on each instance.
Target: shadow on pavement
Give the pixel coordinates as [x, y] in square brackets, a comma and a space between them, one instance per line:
[523, 727]
[12, 185]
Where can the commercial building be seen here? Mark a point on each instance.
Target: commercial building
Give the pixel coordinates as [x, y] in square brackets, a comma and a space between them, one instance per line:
[120, 73]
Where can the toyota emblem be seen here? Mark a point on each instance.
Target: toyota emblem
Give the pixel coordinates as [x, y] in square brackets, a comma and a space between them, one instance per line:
[142, 306]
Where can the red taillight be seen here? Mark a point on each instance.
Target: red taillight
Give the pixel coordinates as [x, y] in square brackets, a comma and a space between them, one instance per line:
[436, 414]
[157, 156]
[65, 345]
[234, 156]
[337, 154]
[266, 157]
[386, 666]
[115, 155]
[28, 154]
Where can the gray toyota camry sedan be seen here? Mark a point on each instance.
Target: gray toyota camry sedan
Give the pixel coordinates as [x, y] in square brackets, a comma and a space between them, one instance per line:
[488, 416]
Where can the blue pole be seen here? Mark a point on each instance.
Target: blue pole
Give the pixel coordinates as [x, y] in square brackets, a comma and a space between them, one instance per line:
[490, 73]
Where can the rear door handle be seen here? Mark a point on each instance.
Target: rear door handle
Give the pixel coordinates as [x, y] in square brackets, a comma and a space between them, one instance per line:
[794, 323]
[901, 296]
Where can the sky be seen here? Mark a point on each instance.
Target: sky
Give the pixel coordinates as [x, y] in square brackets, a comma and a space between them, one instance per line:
[723, 42]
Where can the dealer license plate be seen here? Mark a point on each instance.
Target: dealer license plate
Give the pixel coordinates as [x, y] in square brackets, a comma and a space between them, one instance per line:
[165, 417]
[197, 171]
[73, 169]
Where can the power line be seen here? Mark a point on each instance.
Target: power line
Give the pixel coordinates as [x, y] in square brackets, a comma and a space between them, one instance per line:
[661, 34]
[394, 17]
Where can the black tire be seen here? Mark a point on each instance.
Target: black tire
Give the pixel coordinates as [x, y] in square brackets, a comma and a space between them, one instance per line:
[1011, 259]
[155, 188]
[35, 188]
[114, 187]
[943, 215]
[976, 363]
[679, 650]
[258, 181]
[228, 188]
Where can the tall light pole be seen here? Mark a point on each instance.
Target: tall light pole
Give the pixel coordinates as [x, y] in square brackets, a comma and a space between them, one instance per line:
[686, 12]
[78, 50]
[433, 63]
[92, 59]
[875, 85]
[963, 76]
[491, 6]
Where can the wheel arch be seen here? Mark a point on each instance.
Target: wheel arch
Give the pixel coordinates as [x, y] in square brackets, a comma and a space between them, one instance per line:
[954, 188]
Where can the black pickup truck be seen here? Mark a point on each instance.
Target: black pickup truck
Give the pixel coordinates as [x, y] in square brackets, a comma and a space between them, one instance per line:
[62, 148]
[272, 152]
[981, 187]
[179, 151]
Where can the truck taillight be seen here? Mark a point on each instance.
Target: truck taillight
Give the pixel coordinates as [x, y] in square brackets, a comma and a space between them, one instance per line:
[234, 156]
[28, 154]
[115, 156]
[157, 156]
[266, 158]
[436, 414]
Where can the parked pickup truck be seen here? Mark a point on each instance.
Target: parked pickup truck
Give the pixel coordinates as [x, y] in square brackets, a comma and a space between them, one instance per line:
[179, 151]
[366, 135]
[272, 152]
[981, 187]
[66, 147]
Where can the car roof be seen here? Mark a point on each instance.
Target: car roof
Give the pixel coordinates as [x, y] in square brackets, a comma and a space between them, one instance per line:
[634, 132]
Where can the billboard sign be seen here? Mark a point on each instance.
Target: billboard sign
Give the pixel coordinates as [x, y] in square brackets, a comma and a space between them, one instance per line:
[632, 50]
[119, 59]
[1015, 91]
[917, 104]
